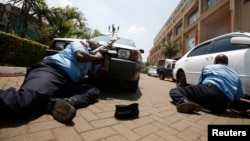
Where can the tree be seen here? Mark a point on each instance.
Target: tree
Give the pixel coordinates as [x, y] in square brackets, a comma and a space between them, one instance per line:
[67, 22]
[170, 49]
[95, 33]
[60, 22]
[41, 28]
[52, 22]
[27, 10]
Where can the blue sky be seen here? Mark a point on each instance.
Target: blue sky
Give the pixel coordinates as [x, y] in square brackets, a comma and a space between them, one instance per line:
[140, 20]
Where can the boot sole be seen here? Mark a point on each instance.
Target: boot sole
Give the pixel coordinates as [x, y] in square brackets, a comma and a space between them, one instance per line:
[63, 111]
[188, 107]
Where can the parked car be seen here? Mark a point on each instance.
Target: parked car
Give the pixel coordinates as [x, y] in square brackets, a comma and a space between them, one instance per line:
[58, 44]
[152, 71]
[166, 71]
[235, 45]
[125, 62]
[125, 65]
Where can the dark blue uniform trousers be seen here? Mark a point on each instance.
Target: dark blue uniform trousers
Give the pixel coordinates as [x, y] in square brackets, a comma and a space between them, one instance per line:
[206, 95]
[43, 81]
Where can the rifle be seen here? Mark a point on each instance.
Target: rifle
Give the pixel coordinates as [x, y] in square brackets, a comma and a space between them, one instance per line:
[105, 47]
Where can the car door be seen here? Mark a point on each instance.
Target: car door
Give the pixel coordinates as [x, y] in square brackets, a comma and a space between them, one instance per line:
[168, 69]
[195, 62]
[224, 46]
[238, 58]
[221, 46]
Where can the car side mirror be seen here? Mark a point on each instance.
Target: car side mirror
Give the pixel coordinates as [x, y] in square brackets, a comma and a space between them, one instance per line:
[240, 40]
[173, 66]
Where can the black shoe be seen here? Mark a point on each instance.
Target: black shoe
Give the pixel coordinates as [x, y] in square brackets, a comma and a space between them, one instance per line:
[127, 111]
[61, 110]
[188, 107]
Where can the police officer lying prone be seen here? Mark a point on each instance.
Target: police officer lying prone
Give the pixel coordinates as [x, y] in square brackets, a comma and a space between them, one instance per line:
[218, 86]
[53, 84]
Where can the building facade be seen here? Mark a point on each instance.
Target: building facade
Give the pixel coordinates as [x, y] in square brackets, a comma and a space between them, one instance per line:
[195, 21]
[10, 20]
[8, 17]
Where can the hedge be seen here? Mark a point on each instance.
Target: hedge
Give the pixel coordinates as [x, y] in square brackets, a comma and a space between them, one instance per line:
[16, 51]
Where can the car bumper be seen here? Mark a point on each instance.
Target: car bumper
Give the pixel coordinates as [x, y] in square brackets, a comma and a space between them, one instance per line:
[123, 70]
[174, 74]
[154, 74]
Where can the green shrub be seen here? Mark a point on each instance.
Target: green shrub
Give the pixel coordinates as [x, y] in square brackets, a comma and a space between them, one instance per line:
[16, 51]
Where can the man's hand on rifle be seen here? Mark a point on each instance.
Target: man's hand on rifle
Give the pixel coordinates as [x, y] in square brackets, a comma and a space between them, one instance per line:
[98, 55]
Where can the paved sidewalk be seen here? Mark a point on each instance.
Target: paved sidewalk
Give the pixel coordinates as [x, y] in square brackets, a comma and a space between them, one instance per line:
[158, 119]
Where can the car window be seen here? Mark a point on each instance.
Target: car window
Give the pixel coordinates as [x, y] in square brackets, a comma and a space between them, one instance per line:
[122, 41]
[224, 44]
[200, 50]
[126, 42]
[59, 45]
[168, 65]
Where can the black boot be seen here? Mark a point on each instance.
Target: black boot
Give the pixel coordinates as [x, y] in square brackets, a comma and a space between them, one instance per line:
[61, 110]
[77, 104]
[188, 107]
[74, 102]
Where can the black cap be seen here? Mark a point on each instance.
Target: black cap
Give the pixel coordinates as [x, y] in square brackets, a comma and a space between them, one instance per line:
[124, 112]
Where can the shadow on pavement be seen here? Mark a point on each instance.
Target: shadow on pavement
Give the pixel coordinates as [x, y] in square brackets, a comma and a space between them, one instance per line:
[119, 92]
[19, 121]
[232, 113]
[16, 121]
[114, 89]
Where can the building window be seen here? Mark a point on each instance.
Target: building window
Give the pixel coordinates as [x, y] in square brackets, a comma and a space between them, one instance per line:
[245, 1]
[192, 17]
[170, 36]
[191, 43]
[210, 3]
[179, 29]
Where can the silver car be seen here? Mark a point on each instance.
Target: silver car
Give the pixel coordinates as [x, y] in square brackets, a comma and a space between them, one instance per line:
[125, 63]
[152, 71]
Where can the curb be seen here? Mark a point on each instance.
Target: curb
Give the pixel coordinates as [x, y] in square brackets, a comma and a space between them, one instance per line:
[12, 71]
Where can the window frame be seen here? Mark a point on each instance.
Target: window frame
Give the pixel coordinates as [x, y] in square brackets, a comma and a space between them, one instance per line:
[192, 17]
[206, 45]
[225, 45]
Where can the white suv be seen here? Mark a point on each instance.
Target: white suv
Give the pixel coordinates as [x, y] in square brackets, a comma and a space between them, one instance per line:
[235, 45]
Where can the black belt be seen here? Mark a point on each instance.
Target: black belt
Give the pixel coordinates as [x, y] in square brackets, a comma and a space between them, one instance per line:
[56, 67]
